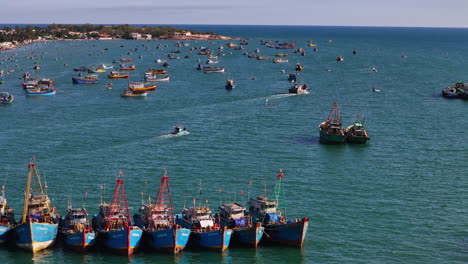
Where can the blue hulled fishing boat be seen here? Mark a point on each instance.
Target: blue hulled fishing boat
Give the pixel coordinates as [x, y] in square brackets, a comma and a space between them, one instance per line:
[114, 224]
[88, 79]
[161, 233]
[76, 229]
[246, 233]
[277, 228]
[205, 232]
[39, 224]
[7, 218]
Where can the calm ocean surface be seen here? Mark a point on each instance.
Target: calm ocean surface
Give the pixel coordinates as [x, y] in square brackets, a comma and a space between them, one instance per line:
[403, 198]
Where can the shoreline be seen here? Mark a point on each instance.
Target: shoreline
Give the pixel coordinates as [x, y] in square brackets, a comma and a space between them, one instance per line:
[7, 47]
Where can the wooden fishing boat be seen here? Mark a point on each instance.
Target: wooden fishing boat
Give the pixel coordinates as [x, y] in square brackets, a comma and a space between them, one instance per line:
[245, 232]
[138, 87]
[131, 94]
[330, 130]
[155, 71]
[272, 214]
[124, 68]
[262, 58]
[117, 75]
[209, 69]
[6, 98]
[125, 60]
[356, 133]
[115, 226]
[455, 91]
[161, 233]
[155, 78]
[41, 91]
[88, 79]
[7, 218]
[231, 45]
[280, 60]
[281, 55]
[38, 226]
[82, 68]
[76, 229]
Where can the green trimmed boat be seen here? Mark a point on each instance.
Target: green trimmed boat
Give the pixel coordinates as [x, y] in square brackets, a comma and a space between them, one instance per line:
[356, 133]
[331, 131]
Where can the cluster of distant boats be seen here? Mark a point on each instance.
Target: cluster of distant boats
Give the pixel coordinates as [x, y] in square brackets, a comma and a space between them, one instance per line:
[155, 226]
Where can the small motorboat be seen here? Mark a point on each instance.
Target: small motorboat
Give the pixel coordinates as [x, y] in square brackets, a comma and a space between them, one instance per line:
[6, 98]
[117, 75]
[298, 89]
[230, 84]
[375, 90]
[340, 58]
[299, 67]
[128, 93]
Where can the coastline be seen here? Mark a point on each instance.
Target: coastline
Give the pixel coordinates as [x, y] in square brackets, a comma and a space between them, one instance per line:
[5, 46]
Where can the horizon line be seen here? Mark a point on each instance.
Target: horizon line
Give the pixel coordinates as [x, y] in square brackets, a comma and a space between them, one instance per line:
[170, 24]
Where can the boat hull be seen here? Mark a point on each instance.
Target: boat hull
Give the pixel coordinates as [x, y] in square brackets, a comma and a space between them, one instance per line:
[247, 237]
[80, 241]
[49, 92]
[4, 232]
[167, 240]
[82, 81]
[331, 138]
[290, 234]
[122, 242]
[357, 140]
[35, 236]
[215, 240]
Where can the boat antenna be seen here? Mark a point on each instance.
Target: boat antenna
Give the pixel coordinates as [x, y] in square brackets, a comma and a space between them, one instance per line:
[6, 176]
[102, 193]
[264, 186]
[199, 193]
[185, 198]
[249, 188]
[85, 198]
[46, 187]
[142, 202]
[69, 205]
[220, 190]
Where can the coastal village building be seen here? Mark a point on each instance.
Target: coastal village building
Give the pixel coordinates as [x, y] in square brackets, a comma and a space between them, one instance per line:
[140, 36]
[105, 37]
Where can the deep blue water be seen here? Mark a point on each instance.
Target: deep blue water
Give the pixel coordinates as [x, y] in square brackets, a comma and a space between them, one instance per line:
[400, 199]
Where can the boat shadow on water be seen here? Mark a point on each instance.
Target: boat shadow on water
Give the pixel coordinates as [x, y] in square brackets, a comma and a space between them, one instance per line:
[307, 140]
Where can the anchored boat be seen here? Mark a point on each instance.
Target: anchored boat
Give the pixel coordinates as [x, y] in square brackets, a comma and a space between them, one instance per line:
[115, 226]
[7, 218]
[245, 231]
[76, 230]
[272, 213]
[356, 133]
[6, 98]
[161, 233]
[331, 131]
[205, 232]
[298, 89]
[39, 222]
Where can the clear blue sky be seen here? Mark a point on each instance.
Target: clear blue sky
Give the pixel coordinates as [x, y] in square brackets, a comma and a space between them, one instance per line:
[406, 13]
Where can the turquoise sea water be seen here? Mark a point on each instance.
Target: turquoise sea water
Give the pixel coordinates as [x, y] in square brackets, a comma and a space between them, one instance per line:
[403, 198]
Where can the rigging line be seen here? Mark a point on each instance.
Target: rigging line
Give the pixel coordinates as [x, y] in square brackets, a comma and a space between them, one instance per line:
[6, 176]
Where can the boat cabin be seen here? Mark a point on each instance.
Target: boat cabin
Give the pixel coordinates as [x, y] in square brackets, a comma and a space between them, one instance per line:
[264, 209]
[232, 211]
[198, 217]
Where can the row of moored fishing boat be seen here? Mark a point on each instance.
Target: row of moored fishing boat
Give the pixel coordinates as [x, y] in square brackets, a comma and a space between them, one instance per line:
[155, 227]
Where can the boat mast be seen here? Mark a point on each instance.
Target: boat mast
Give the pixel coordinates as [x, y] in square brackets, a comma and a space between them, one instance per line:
[278, 194]
[119, 204]
[27, 192]
[334, 114]
[163, 203]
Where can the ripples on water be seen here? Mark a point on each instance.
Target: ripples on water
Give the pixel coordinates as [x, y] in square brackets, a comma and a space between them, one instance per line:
[400, 199]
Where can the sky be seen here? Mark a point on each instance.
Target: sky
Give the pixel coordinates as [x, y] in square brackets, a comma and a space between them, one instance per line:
[398, 13]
